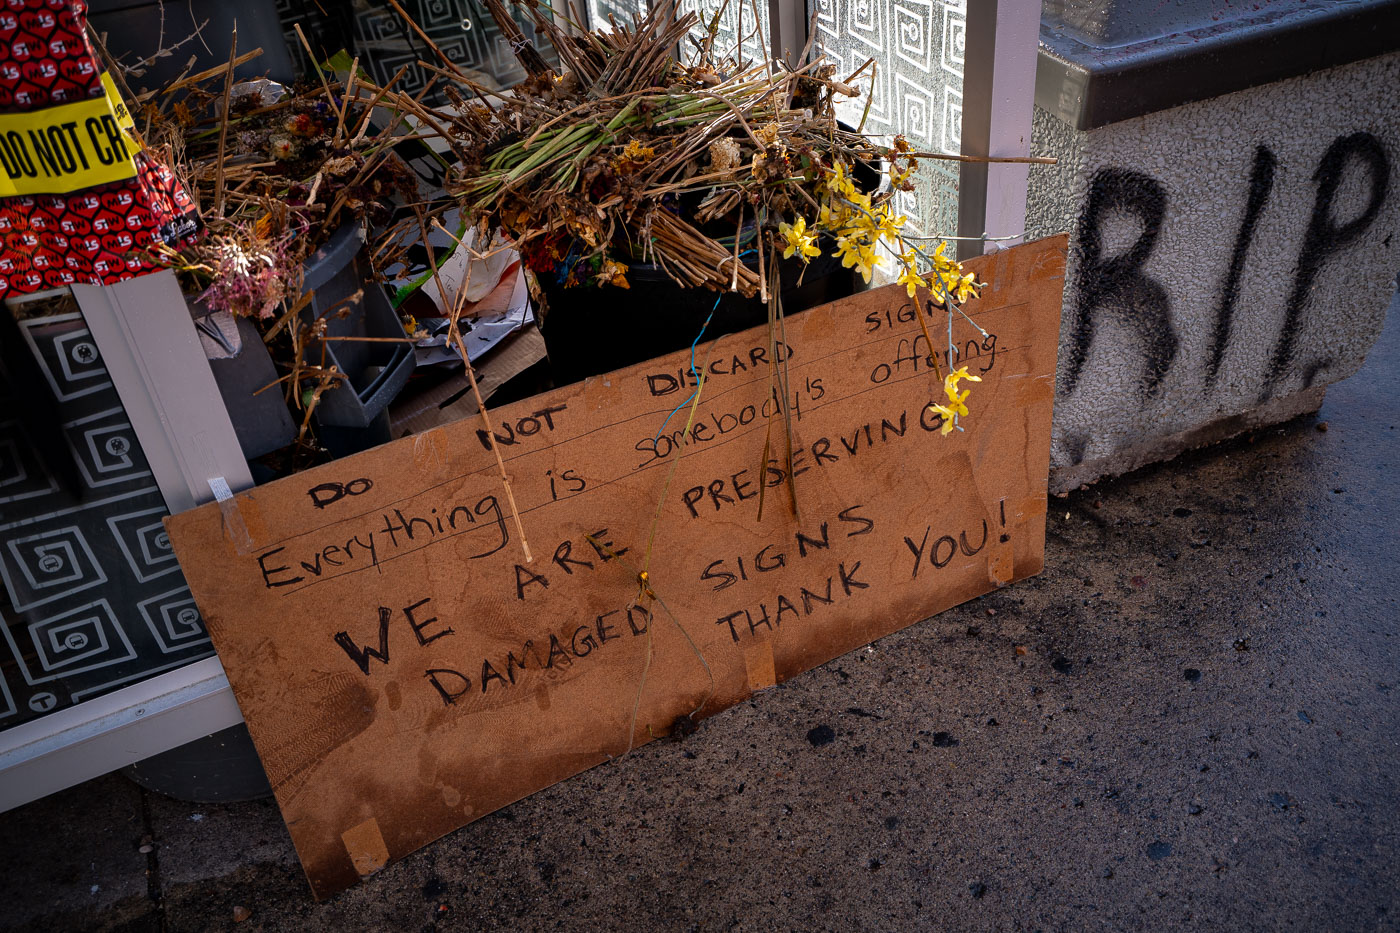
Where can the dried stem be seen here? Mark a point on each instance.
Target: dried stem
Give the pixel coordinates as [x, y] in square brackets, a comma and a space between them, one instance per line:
[223, 126]
[454, 337]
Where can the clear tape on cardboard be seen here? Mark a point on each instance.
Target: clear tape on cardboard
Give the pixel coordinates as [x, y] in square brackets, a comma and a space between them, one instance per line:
[365, 845]
[234, 526]
[760, 666]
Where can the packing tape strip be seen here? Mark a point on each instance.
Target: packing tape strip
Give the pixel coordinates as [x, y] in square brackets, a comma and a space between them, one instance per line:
[234, 527]
[1001, 556]
[760, 666]
[430, 451]
[365, 845]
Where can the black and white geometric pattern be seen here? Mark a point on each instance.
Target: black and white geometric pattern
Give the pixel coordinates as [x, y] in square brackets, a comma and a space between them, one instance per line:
[735, 17]
[84, 638]
[143, 541]
[918, 48]
[92, 597]
[49, 565]
[462, 29]
[105, 446]
[173, 619]
[915, 87]
[69, 358]
[22, 473]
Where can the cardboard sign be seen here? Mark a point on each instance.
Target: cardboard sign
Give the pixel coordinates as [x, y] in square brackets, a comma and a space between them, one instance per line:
[404, 670]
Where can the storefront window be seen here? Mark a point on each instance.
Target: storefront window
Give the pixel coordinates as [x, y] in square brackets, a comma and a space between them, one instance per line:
[462, 29]
[917, 47]
[93, 597]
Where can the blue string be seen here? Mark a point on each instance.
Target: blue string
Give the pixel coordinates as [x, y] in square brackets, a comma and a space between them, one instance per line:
[693, 372]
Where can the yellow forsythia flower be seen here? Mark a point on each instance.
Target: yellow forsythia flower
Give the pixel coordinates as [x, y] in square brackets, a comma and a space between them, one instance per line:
[950, 384]
[888, 226]
[855, 251]
[840, 184]
[799, 241]
[836, 217]
[909, 278]
[957, 401]
[948, 415]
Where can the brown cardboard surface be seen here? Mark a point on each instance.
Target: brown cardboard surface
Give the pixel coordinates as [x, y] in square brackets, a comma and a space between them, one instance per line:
[404, 671]
[451, 400]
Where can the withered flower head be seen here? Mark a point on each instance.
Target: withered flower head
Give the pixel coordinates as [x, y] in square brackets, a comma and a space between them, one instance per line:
[724, 154]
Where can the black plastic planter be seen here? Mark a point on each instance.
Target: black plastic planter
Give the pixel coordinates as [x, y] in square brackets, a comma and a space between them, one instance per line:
[376, 371]
[260, 418]
[137, 29]
[219, 768]
[592, 330]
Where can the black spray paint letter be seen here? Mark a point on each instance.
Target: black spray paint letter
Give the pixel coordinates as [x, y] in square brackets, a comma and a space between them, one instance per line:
[1261, 182]
[1116, 285]
[1325, 237]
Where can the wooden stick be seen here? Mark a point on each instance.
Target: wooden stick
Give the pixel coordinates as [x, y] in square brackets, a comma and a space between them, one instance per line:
[1030, 160]
[369, 110]
[373, 339]
[211, 72]
[325, 85]
[455, 336]
[345, 99]
[223, 127]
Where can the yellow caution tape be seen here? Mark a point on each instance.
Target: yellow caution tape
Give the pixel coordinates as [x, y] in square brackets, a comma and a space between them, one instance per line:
[68, 147]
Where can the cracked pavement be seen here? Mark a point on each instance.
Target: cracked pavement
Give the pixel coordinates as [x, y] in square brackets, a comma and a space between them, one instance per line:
[1190, 720]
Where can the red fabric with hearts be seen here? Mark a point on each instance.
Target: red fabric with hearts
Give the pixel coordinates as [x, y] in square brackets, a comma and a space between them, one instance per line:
[99, 235]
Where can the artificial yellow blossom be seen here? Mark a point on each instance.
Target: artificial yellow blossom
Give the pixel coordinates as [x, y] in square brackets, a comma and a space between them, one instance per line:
[839, 184]
[909, 278]
[856, 252]
[950, 384]
[948, 415]
[799, 241]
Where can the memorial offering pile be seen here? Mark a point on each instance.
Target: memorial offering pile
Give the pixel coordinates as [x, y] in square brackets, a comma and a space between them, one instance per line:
[275, 179]
[276, 171]
[710, 168]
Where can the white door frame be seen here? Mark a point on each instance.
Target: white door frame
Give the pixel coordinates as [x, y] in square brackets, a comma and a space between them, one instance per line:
[148, 343]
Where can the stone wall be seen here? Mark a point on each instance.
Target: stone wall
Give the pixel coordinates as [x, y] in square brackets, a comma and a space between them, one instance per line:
[1228, 258]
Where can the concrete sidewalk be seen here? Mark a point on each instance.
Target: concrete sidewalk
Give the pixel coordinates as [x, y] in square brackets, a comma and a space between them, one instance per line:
[1189, 720]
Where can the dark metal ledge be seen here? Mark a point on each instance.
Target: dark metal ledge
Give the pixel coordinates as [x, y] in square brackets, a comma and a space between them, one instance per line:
[1087, 80]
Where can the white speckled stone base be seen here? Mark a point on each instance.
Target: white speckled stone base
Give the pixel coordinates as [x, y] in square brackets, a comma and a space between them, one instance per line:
[1223, 255]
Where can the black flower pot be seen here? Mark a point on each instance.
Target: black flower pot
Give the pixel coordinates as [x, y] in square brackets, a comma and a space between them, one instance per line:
[596, 329]
[246, 377]
[591, 330]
